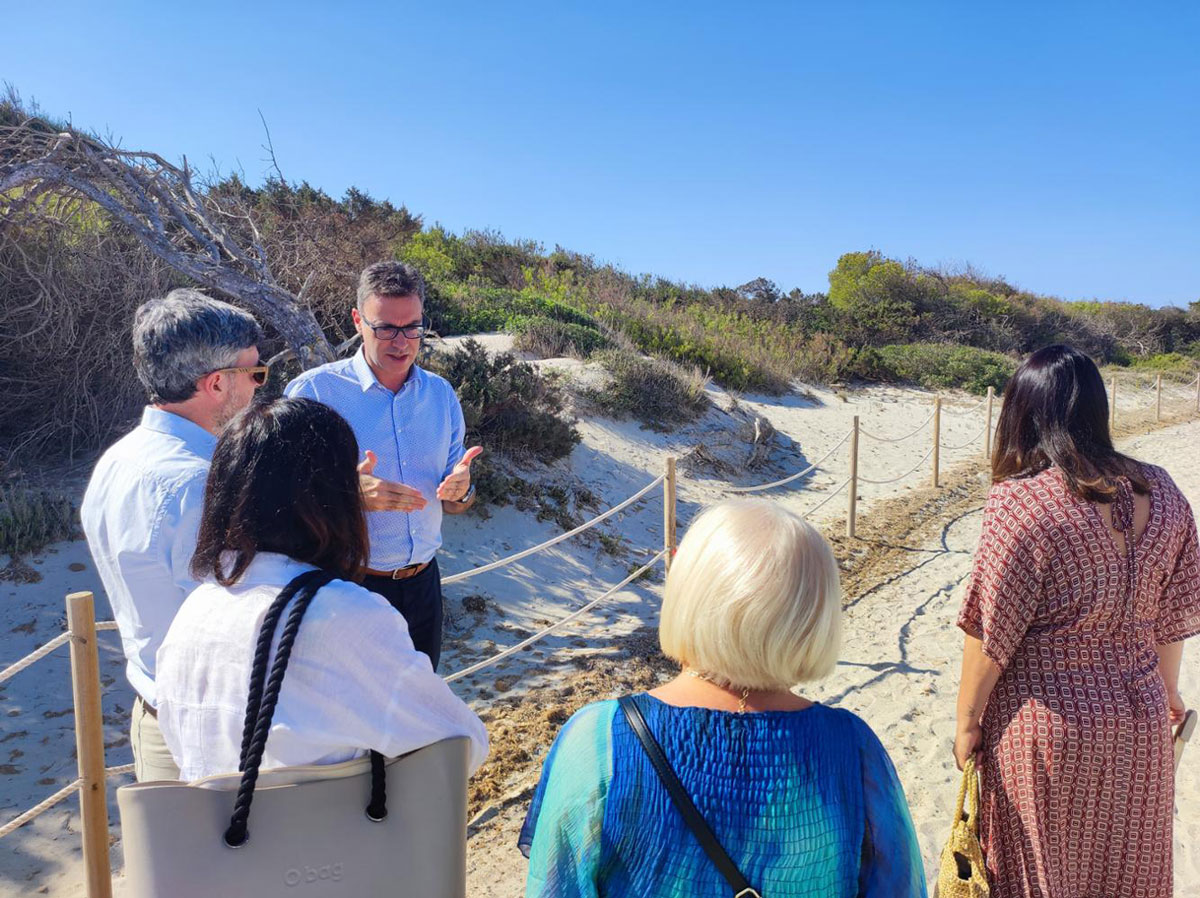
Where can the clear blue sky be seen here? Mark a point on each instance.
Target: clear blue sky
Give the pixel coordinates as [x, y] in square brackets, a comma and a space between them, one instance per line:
[1056, 144]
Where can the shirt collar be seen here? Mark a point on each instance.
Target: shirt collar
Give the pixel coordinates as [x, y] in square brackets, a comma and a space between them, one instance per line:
[193, 435]
[271, 568]
[367, 379]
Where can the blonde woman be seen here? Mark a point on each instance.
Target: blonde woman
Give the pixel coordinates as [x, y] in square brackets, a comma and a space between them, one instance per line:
[802, 798]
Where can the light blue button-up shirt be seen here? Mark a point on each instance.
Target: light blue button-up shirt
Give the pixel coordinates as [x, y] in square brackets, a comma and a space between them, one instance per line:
[416, 433]
[140, 513]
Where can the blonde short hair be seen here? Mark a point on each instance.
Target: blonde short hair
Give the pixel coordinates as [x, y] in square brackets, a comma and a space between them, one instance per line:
[753, 598]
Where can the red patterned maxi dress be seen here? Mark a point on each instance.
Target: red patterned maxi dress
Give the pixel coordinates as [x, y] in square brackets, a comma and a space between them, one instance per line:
[1078, 781]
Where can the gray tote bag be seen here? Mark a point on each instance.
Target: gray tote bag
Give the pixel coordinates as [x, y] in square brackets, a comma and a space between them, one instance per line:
[364, 828]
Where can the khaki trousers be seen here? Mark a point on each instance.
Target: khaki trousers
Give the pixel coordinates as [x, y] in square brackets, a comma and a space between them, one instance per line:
[151, 758]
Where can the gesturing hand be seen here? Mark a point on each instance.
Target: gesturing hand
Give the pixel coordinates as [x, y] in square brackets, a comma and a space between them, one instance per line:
[386, 495]
[456, 485]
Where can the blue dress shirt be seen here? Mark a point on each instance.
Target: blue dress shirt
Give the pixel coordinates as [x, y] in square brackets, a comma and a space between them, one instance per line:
[416, 433]
[141, 513]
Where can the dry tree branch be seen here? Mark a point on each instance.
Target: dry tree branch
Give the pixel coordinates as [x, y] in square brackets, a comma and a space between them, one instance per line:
[270, 148]
[157, 203]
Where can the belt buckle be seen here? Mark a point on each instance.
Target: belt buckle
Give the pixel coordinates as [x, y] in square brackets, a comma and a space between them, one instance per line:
[403, 573]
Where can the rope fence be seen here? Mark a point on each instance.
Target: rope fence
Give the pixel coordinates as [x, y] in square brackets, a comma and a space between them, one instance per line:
[969, 410]
[33, 657]
[1157, 391]
[907, 436]
[984, 436]
[767, 486]
[542, 634]
[837, 489]
[503, 562]
[82, 626]
[968, 443]
[898, 477]
[40, 808]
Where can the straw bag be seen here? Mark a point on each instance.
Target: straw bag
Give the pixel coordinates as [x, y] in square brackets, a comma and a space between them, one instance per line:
[194, 840]
[962, 873]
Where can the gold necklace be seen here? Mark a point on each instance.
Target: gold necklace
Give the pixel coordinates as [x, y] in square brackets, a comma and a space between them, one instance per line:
[708, 678]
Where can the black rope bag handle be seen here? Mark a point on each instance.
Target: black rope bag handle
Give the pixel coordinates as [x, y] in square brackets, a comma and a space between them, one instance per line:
[262, 651]
[264, 695]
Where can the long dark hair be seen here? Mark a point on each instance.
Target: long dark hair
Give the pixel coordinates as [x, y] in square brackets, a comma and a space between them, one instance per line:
[283, 479]
[1056, 413]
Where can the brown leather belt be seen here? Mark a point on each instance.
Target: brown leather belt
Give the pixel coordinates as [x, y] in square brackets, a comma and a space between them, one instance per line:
[400, 573]
[152, 711]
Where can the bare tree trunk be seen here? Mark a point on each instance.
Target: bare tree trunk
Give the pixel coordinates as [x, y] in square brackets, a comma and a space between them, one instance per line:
[46, 173]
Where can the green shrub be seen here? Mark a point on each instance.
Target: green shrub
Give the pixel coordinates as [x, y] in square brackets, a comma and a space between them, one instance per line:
[548, 338]
[936, 366]
[32, 519]
[1167, 363]
[824, 359]
[472, 309]
[508, 408]
[658, 394]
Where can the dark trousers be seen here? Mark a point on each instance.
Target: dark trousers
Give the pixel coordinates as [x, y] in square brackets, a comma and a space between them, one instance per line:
[419, 599]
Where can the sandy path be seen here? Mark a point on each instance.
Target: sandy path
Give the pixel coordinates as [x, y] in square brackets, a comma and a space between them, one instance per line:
[900, 660]
[900, 667]
[899, 671]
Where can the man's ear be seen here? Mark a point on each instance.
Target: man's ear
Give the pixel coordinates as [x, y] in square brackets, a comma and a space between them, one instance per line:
[210, 384]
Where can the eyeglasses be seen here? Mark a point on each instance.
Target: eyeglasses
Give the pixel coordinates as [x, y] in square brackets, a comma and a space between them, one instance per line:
[258, 373]
[386, 332]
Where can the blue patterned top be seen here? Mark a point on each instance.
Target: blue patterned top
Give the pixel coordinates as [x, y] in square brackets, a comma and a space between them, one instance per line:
[806, 803]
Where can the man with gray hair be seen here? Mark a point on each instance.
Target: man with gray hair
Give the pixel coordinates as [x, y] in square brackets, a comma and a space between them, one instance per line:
[410, 425]
[198, 360]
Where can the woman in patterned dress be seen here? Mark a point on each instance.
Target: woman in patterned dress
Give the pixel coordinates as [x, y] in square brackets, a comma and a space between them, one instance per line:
[803, 797]
[1086, 582]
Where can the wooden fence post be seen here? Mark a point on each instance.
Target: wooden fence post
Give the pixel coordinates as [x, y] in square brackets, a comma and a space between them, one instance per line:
[1158, 407]
[987, 436]
[937, 436]
[669, 513]
[89, 742]
[1112, 404]
[852, 501]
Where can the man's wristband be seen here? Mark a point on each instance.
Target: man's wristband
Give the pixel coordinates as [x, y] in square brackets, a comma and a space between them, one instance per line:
[468, 495]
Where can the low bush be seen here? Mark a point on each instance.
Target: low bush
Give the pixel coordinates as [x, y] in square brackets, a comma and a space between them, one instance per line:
[509, 408]
[470, 309]
[824, 359]
[32, 519]
[936, 366]
[548, 338]
[658, 394]
[1168, 363]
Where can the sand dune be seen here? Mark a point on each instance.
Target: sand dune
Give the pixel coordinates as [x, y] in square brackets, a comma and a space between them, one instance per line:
[899, 668]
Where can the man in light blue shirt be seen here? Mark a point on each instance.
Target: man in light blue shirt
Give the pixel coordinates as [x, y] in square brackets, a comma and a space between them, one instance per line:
[409, 424]
[198, 359]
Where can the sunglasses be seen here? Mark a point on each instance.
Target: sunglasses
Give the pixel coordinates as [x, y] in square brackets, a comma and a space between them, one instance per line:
[258, 373]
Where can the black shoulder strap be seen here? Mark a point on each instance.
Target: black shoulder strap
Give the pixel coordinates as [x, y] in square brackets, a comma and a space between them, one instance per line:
[683, 802]
[264, 693]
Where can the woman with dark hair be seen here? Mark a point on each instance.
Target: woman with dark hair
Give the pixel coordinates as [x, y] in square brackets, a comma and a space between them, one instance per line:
[1086, 581]
[283, 498]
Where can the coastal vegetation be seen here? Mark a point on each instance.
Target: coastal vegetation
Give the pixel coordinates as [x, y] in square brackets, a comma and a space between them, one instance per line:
[71, 275]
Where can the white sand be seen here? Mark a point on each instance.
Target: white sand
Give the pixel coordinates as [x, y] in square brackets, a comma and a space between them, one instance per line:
[900, 661]
[900, 668]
